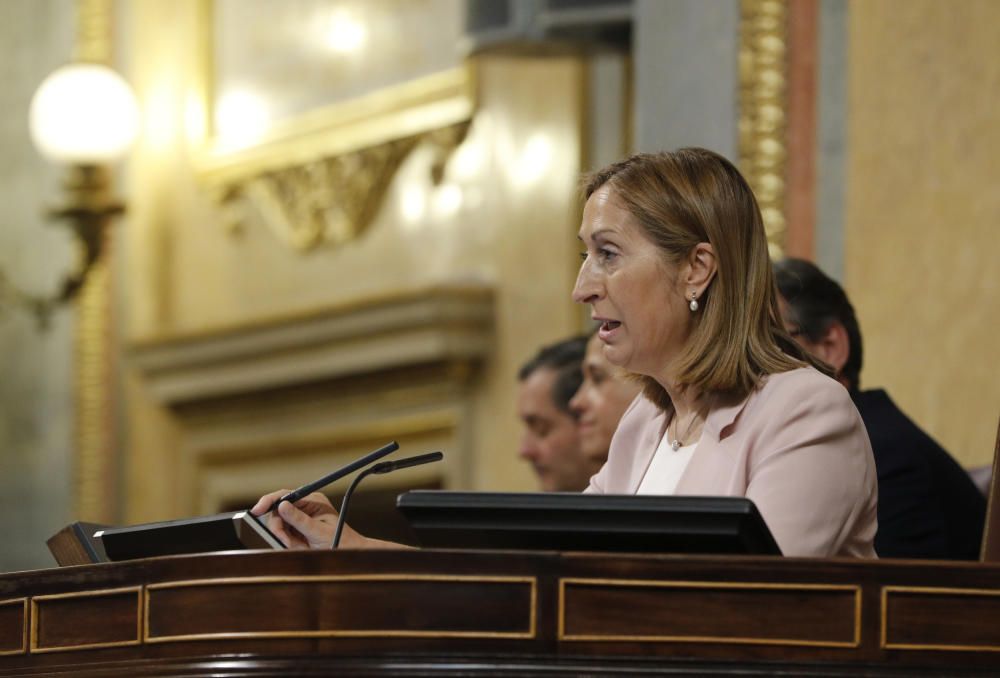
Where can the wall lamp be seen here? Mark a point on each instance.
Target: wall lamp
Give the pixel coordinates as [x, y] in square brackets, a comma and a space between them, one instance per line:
[84, 116]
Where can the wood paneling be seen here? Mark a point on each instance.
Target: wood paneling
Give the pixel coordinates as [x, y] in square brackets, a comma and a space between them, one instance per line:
[501, 613]
[376, 606]
[928, 618]
[14, 626]
[727, 612]
[85, 620]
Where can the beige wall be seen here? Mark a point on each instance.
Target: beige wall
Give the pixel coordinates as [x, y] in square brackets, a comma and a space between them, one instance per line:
[36, 366]
[515, 232]
[921, 245]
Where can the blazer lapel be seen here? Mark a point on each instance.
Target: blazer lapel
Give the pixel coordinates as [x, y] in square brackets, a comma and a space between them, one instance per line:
[710, 465]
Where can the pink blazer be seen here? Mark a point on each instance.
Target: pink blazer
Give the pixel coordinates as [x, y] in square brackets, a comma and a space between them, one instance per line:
[796, 446]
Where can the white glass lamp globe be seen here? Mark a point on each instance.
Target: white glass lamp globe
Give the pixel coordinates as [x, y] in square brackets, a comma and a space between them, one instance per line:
[84, 114]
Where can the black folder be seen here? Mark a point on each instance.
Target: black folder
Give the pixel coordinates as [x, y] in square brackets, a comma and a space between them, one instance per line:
[221, 532]
[559, 521]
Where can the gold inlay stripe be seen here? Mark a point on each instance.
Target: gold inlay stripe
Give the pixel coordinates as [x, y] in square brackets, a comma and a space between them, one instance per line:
[137, 590]
[361, 633]
[23, 602]
[932, 591]
[748, 586]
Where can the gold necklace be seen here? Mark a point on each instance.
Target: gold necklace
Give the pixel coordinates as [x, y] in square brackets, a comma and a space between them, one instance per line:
[675, 444]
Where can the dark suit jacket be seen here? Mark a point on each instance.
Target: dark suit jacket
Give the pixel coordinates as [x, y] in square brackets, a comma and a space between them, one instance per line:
[928, 506]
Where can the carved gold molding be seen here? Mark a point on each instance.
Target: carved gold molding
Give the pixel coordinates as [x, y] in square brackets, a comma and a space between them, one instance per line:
[95, 444]
[95, 478]
[330, 200]
[93, 31]
[763, 106]
[320, 178]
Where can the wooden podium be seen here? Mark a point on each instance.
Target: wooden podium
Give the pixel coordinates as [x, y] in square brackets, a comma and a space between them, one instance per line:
[430, 612]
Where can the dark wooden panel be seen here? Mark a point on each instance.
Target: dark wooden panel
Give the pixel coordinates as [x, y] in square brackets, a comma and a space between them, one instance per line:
[13, 626]
[929, 618]
[742, 613]
[73, 621]
[332, 606]
[278, 628]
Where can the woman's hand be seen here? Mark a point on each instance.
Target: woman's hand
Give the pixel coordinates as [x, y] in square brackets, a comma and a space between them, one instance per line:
[308, 524]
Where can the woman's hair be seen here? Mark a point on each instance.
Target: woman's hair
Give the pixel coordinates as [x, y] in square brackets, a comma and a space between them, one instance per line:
[690, 196]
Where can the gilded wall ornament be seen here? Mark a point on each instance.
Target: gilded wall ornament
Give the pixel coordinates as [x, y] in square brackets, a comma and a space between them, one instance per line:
[95, 348]
[763, 68]
[320, 180]
[329, 201]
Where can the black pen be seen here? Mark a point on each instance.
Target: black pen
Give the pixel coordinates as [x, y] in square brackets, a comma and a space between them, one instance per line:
[315, 485]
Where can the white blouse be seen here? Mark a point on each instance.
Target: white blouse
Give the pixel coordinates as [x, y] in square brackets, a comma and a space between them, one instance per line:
[666, 468]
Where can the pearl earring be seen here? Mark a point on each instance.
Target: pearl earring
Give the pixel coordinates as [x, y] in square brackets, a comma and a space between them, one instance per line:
[694, 302]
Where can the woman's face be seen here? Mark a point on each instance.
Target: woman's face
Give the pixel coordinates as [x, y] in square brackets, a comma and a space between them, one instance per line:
[600, 401]
[635, 295]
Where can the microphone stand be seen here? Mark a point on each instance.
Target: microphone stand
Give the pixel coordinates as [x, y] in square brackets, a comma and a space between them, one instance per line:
[383, 467]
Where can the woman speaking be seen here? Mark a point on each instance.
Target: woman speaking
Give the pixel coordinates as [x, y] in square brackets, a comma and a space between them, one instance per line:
[677, 274]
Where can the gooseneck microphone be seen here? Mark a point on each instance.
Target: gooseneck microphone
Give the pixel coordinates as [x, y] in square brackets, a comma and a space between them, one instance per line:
[383, 467]
[316, 485]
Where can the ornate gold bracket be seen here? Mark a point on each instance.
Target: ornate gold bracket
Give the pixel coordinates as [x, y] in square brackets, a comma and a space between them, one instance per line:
[763, 106]
[329, 201]
[320, 179]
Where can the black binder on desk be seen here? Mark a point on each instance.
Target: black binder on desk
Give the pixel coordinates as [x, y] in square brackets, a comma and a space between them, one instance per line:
[562, 521]
[222, 532]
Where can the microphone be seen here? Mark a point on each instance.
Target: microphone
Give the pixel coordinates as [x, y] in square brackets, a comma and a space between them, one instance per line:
[389, 466]
[315, 485]
[383, 467]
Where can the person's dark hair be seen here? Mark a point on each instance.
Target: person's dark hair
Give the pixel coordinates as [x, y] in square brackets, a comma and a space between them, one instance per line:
[815, 301]
[690, 196]
[565, 358]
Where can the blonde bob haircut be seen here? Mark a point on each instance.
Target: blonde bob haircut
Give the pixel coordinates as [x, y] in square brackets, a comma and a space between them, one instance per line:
[690, 196]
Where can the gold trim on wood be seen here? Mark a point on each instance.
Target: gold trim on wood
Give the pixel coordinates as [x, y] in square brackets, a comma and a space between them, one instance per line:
[639, 583]
[929, 590]
[24, 626]
[763, 106]
[137, 590]
[386, 633]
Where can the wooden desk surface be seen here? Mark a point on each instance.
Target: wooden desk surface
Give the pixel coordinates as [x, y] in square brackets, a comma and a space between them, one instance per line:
[499, 613]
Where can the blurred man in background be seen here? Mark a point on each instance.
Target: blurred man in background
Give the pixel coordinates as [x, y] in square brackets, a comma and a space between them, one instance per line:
[928, 506]
[551, 441]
